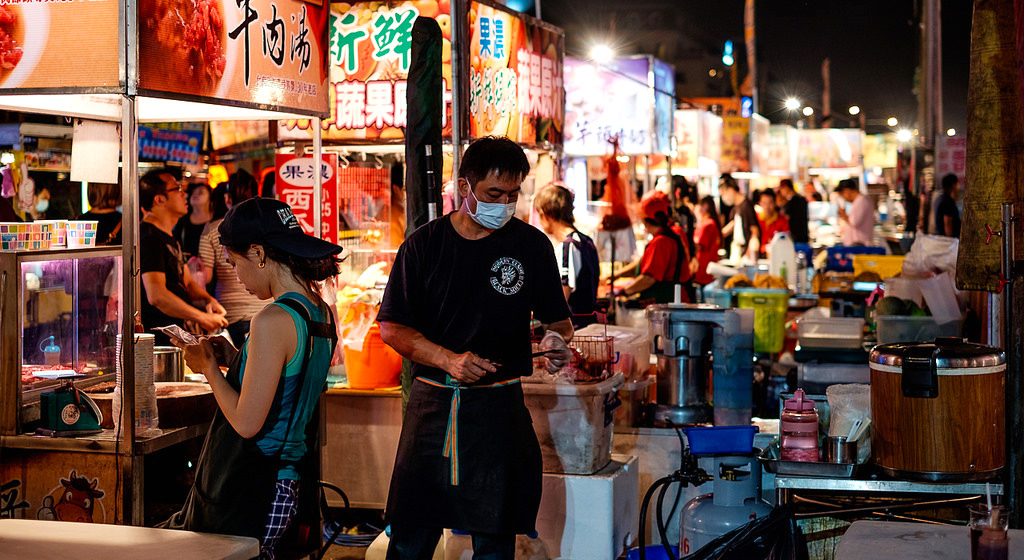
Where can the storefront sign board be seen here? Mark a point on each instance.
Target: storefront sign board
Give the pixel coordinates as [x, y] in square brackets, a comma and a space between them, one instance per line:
[295, 187]
[515, 76]
[267, 54]
[370, 49]
[608, 101]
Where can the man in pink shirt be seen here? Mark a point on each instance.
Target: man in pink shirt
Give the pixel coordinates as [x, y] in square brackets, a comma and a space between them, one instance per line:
[857, 224]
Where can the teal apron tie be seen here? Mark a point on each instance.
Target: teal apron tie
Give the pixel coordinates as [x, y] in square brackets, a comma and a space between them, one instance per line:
[451, 435]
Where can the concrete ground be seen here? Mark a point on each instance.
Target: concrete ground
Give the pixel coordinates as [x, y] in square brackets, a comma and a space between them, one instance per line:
[338, 552]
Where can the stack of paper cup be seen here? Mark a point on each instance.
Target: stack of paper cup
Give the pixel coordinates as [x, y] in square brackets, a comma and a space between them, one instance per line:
[146, 416]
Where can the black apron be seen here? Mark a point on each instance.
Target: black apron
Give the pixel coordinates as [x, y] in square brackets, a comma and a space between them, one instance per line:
[235, 481]
[664, 291]
[490, 482]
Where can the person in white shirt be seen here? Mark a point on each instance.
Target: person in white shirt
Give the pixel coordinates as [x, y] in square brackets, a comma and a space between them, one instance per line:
[857, 224]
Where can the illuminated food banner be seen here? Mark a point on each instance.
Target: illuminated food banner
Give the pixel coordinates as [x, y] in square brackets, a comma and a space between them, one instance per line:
[268, 54]
[369, 63]
[687, 132]
[179, 142]
[60, 46]
[664, 105]
[735, 140]
[515, 77]
[608, 101]
[294, 186]
[826, 148]
[881, 150]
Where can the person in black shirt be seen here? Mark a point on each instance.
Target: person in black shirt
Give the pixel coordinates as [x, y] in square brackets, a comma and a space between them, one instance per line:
[795, 210]
[947, 215]
[104, 198]
[167, 286]
[458, 304]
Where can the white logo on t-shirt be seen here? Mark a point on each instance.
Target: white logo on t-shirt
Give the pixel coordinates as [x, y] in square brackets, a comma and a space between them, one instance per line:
[508, 276]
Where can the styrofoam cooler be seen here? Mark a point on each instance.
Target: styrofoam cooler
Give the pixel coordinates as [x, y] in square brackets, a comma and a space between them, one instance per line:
[573, 423]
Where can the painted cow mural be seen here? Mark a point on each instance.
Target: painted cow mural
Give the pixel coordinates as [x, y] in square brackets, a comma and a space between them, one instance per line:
[77, 500]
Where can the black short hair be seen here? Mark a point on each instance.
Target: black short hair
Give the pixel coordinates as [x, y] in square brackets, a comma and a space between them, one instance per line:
[493, 154]
[949, 181]
[242, 186]
[787, 183]
[151, 186]
[846, 185]
[764, 193]
[728, 181]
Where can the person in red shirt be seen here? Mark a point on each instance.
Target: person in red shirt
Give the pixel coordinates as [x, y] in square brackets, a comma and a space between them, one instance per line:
[708, 239]
[665, 261]
[772, 221]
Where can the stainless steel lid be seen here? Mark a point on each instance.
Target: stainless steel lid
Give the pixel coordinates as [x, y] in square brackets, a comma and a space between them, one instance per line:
[947, 353]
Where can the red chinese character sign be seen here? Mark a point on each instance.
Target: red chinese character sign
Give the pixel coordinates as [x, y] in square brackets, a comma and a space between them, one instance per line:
[370, 50]
[515, 76]
[295, 187]
[267, 54]
[951, 157]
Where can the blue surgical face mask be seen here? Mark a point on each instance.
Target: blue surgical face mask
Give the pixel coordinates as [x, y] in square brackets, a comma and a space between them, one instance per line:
[42, 205]
[491, 215]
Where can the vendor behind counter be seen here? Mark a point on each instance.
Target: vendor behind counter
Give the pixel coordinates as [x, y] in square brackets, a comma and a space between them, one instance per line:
[665, 261]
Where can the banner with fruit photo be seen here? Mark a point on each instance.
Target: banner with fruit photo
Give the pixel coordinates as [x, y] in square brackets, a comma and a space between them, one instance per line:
[369, 64]
[515, 77]
[267, 54]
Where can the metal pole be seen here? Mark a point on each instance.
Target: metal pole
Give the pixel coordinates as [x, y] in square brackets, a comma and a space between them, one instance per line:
[318, 180]
[130, 300]
[459, 78]
[1014, 421]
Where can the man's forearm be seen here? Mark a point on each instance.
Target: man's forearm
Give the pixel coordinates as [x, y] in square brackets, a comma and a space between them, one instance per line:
[411, 344]
[173, 306]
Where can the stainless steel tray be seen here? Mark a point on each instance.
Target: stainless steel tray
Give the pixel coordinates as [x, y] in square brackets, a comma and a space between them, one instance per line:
[769, 458]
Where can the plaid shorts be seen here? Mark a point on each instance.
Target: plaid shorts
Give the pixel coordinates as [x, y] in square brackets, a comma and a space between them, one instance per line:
[282, 511]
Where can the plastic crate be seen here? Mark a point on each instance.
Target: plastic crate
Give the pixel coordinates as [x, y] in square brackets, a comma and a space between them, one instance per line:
[885, 266]
[830, 332]
[840, 258]
[721, 440]
[898, 328]
[770, 307]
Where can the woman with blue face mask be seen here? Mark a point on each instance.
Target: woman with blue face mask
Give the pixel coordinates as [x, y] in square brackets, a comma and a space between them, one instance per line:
[42, 204]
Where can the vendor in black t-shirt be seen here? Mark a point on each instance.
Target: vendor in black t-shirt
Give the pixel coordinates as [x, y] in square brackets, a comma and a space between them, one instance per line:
[458, 304]
[947, 215]
[167, 287]
[742, 224]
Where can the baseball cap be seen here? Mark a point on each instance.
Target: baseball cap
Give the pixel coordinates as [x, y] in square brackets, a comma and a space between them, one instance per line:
[266, 221]
[652, 203]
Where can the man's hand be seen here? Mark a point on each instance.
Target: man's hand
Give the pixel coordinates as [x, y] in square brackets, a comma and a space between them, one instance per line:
[469, 368]
[214, 306]
[212, 321]
[559, 353]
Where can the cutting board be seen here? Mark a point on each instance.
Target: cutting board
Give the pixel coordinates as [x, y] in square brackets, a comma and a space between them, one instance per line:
[179, 404]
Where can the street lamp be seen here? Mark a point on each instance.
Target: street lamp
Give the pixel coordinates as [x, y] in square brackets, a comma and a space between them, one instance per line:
[602, 54]
[793, 104]
[854, 110]
[951, 132]
[903, 135]
[893, 121]
[808, 111]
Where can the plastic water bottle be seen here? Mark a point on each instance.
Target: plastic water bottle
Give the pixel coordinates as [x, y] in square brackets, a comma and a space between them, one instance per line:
[799, 428]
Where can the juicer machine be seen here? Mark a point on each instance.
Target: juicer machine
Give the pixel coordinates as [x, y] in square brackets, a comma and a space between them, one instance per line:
[700, 347]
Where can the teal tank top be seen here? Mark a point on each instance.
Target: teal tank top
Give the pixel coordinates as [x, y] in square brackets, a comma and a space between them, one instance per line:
[276, 432]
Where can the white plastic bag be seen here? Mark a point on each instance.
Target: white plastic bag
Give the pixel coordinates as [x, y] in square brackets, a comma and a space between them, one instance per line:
[849, 403]
[931, 254]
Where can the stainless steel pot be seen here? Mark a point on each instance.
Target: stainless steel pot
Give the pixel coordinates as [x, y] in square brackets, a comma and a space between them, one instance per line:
[168, 363]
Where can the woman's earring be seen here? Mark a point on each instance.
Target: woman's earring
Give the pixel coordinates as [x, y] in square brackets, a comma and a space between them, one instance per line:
[261, 264]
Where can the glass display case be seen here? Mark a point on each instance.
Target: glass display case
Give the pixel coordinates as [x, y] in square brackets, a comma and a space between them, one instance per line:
[65, 306]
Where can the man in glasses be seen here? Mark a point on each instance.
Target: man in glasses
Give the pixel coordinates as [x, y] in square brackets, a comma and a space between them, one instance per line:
[168, 290]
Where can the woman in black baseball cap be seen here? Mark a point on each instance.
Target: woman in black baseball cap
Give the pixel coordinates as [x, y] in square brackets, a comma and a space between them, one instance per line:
[255, 460]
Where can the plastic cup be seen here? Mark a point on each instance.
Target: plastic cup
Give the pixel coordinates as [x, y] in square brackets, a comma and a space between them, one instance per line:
[988, 531]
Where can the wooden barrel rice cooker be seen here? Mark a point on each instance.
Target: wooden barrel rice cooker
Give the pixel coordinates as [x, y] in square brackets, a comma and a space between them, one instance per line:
[938, 410]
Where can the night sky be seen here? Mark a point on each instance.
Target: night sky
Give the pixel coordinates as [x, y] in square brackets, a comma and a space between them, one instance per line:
[872, 46]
